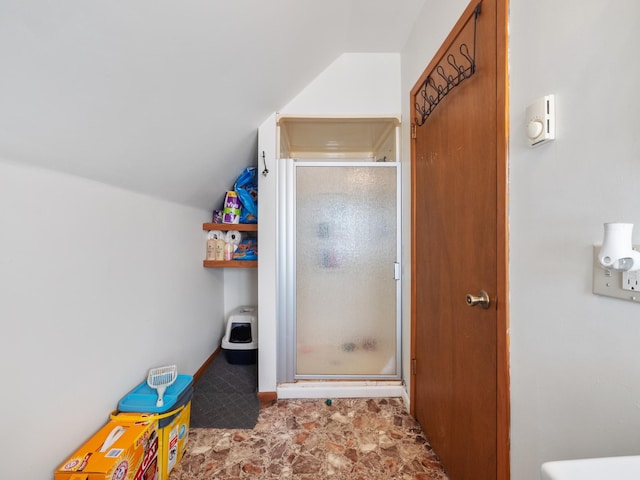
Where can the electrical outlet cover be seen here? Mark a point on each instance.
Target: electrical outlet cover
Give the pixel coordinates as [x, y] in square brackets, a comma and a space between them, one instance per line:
[609, 282]
[631, 281]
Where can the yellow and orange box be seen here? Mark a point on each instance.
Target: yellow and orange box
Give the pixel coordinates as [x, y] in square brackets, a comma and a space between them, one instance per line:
[173, 433]
[118, 451]
[172, 417]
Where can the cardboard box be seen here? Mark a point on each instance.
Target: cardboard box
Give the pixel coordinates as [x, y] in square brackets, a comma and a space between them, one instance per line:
[173, 440]
[118, 451]
[173, 418]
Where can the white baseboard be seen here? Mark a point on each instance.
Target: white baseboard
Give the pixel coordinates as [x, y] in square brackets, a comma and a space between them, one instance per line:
[405, 398]
[341, 389]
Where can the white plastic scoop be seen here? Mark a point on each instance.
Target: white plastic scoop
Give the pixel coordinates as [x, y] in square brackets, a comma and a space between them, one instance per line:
[160, 378]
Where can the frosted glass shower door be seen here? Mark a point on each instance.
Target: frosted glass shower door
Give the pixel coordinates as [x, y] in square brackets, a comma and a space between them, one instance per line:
[346, 276]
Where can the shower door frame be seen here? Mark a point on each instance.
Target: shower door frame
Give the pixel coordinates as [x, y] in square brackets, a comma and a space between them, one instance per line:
[286, 267]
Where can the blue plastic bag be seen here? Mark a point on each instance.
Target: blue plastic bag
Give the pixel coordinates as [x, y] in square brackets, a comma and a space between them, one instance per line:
[247, 249]
[246, 187]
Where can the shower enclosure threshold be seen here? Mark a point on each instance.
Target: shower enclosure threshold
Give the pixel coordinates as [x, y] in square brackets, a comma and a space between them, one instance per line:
[342, 389]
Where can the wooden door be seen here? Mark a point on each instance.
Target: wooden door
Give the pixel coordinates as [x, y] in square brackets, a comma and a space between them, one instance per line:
[460, 378]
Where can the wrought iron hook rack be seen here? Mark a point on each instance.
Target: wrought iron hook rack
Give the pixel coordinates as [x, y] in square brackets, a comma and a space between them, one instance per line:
[434, 90]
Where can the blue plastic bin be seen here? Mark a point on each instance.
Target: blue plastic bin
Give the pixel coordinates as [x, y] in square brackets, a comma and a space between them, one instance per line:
[143, 397]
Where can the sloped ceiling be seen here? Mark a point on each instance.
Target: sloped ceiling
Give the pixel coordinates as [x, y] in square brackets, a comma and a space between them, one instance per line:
[164, 97]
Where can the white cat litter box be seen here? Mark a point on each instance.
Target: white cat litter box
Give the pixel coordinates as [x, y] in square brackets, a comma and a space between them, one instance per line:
[240, 341]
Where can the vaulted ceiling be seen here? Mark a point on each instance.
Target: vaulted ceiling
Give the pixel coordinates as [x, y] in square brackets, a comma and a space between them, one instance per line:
[164, 97]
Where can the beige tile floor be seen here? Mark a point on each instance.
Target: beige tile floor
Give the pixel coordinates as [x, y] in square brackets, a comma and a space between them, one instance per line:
[359, 439]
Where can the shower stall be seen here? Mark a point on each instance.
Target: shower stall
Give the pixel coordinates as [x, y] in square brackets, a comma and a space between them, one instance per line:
[339, 264]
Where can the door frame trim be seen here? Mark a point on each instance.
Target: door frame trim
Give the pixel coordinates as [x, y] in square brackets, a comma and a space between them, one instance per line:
[502, 231]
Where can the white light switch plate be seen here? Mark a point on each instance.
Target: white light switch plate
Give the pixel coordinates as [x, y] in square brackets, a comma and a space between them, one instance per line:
[609, 282]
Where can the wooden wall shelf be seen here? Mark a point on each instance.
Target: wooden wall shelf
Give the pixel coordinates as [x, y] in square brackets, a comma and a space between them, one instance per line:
[240, 227]
[230, 263]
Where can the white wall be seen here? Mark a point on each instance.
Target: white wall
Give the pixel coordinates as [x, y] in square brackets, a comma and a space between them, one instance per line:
[97, 285]
[574, 356]
[267, 258]
[354, 84]
[240, 288]
[575, 370]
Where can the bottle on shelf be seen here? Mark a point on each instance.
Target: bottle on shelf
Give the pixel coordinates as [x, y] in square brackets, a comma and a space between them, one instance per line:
[219, 249]
[211, 246]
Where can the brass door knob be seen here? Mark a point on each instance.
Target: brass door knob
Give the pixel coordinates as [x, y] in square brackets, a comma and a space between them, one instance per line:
[481, 299]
